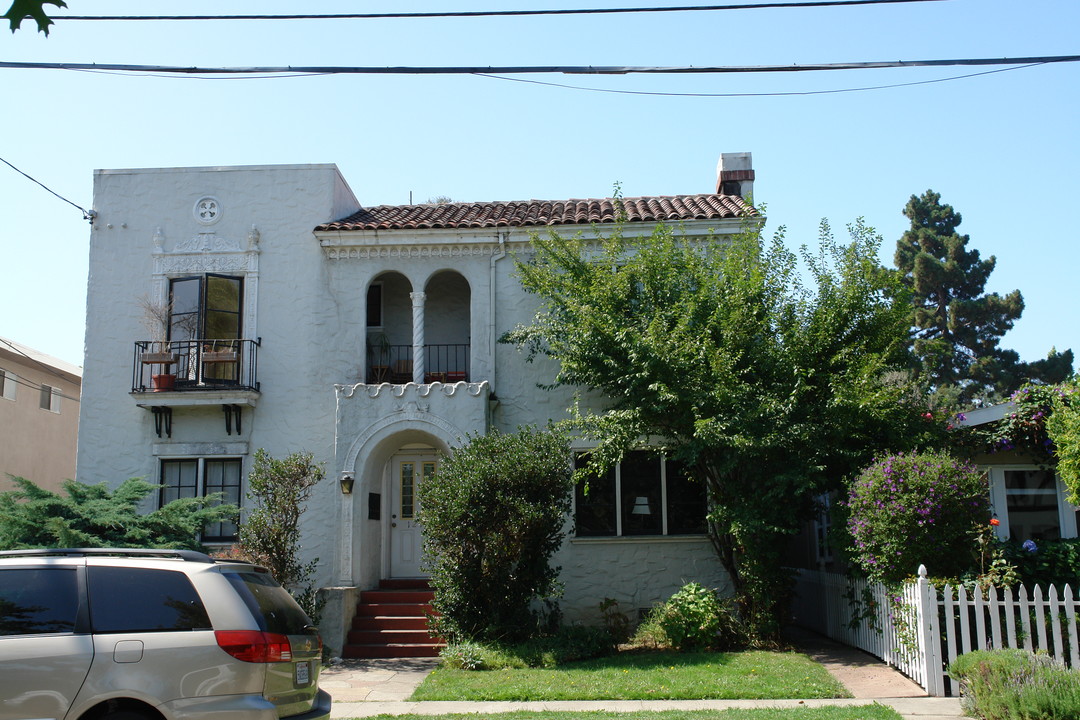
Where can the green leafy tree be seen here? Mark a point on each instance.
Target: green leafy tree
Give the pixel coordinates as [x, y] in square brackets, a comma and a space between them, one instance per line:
[1063, 430]
[769, 386]
[493, 515]
[34, 9]
[92, 516]
[270, 536]
[956, 327]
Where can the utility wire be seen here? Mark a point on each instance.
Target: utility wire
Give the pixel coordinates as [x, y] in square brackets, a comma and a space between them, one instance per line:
[87, 214]
[756, 94]
[535, 69]
[494, 13]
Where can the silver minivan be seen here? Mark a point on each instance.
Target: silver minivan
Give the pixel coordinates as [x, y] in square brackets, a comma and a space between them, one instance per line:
[119, 634]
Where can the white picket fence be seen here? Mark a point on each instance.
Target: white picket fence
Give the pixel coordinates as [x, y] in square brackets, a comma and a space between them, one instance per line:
[919, 630]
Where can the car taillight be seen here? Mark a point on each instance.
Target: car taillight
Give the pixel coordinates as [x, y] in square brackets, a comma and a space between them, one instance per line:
[254, 646]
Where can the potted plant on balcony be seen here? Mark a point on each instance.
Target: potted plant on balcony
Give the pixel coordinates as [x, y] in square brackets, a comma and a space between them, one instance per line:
[155, 319]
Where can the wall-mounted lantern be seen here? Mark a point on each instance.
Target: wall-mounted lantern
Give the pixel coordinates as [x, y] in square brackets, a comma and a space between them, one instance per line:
[347, 481]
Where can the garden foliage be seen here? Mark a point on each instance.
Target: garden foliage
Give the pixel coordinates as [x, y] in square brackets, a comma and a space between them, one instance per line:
[567, 644]
[493, 515]
[769, 382]
[93, 516]
[917, 508]
[270, 536]
[1016, 685]
[694, 618]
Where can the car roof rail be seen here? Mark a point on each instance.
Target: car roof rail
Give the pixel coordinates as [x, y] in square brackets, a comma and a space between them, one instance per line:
[188, 555]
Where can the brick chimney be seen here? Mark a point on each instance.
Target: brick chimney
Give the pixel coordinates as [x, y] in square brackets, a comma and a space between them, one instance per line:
[735, 174]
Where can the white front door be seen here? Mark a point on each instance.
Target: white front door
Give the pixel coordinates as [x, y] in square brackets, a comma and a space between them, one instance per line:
[406, 540]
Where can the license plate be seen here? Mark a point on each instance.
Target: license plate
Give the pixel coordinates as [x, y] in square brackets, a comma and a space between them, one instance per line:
[303, 673]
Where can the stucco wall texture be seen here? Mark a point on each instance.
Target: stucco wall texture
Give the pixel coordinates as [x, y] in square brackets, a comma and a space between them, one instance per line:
[305, 300]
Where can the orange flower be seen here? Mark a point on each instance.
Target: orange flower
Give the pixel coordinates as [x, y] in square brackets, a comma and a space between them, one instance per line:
[995, 522]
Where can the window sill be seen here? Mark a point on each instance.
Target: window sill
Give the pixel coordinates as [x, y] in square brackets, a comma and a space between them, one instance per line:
[607, 539]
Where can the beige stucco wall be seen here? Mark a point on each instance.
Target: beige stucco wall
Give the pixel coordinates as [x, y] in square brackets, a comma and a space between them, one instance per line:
[38, 444]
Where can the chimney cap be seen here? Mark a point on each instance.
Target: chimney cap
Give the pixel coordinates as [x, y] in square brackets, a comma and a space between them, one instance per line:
[735, 174]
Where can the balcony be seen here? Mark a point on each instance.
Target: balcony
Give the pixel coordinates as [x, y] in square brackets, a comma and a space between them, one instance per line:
[394, 364]
[222, 368]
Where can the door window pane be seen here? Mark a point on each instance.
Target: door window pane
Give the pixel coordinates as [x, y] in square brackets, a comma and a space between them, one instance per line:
[407, 486]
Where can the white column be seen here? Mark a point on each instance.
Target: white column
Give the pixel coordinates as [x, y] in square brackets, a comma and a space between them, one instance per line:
[418, 335]
[345, 536]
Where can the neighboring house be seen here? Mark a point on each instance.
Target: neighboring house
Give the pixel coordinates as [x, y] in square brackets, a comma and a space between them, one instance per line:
[297, 319]
[39, 416]
[1028, 498]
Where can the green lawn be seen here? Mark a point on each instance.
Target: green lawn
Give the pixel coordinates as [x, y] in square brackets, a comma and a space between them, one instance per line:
[644, 676]
[861, 712]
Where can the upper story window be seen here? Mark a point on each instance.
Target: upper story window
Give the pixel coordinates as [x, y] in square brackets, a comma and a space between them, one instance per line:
[206, 307]
[374, 305]
[8, 382]
[50, 398]
[645, 494]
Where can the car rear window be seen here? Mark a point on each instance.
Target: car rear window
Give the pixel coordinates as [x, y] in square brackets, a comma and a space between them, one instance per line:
[272, 606]
[37, 601]
[143, 600]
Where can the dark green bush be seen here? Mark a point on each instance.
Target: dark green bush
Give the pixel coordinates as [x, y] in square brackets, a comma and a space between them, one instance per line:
[1016, 685]
[493, 515]
[1045, 562]
[694, 618]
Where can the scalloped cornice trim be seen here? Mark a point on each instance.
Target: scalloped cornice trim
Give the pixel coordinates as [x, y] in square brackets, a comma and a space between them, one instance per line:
[412, 389]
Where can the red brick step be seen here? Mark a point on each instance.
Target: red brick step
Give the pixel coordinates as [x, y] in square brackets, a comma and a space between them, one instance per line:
[392, 622]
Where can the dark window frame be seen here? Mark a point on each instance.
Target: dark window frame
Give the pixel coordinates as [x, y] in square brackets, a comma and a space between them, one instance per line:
[607, 511]
[194, 480]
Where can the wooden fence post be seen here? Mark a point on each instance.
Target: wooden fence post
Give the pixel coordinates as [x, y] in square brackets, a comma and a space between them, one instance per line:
[929, 640]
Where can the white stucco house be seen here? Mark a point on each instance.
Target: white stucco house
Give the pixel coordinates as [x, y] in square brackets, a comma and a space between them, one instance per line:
[296, 318]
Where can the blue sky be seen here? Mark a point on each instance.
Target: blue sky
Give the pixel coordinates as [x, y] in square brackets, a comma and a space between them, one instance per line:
[1002, 148]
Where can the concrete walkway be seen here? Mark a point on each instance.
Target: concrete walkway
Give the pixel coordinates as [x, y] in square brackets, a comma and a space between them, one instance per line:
[362, 688]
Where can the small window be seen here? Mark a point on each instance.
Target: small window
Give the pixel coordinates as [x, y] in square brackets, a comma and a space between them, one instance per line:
[198, 477]
[124, 599]
[50, 398]
[374, 305]
[8, 381]
[1031, 497]
[38, 601]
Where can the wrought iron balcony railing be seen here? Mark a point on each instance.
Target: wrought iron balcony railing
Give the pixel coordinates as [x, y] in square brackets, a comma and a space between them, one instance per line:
[194, 365]
[394, 363]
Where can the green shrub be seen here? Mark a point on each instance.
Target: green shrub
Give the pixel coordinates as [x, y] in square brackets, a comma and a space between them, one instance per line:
[615, 620]
[1045, 562]
[915, 508]
[1016, 685]
[493, 515]
[463, 656]
[694, 618]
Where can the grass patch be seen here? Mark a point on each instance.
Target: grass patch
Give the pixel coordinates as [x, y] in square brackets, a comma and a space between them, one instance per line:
[644, 676]
[862, 712]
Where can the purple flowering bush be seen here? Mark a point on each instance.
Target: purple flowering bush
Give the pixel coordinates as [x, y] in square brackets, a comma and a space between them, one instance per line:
[916, 509]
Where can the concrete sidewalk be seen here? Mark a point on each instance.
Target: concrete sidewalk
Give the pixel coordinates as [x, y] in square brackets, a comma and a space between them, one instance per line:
[362, 688]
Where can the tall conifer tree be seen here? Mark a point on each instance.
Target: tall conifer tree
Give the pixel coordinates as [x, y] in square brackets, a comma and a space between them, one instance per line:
[956, 327]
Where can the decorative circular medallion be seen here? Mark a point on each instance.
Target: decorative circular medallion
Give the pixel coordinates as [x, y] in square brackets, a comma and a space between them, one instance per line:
[207, 210]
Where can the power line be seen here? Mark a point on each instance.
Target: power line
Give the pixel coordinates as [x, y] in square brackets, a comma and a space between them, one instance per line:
[495, 13]
[756, 94]
[87, 214]
[535, 69]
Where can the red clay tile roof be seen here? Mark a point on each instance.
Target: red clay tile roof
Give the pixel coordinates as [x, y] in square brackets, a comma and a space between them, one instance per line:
[541, 212]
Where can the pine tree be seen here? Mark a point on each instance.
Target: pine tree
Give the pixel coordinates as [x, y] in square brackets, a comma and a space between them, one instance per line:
[956, 327]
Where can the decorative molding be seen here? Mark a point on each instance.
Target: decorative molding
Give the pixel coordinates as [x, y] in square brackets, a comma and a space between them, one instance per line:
[207, 210]
[207, 242]
[206, 449]
[195, 264]
[410, 252]
[422, 391]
